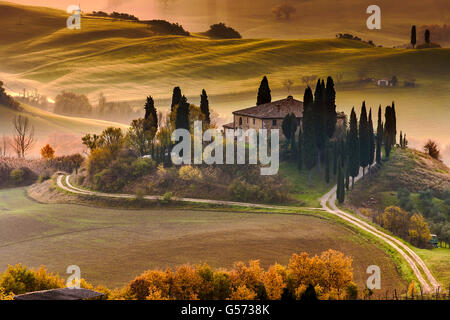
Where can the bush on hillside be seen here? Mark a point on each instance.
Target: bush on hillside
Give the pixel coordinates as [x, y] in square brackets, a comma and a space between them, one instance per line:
[165, 27]
[221, 31]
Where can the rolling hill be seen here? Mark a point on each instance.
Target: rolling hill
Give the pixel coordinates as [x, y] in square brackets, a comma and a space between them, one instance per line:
[127, 61]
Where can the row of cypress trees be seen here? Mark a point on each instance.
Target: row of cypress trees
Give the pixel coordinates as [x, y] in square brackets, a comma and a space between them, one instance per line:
[360, 147]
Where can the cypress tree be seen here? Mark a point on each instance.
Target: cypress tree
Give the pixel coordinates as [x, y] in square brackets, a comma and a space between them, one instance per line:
[388, 129]
[176, 98]
[394, 125]
[204, 106]
[151, 115]
[413, 36]
[308, 99]
[320, 118]
[327, 164]
[371, 141]
[330, 101]
[363, 138]
[309, 138]
[347, 178]
[182, 116]
[340, 193]
[401, 140]
[264, 95]
[353, 147]
[335, 157]
[300, 150]
[379, 137]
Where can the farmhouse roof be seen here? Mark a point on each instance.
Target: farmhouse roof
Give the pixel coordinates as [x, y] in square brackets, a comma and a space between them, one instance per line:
[274, 110]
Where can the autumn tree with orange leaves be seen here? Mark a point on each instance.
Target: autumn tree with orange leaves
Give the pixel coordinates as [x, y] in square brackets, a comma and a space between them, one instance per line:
[47, 152]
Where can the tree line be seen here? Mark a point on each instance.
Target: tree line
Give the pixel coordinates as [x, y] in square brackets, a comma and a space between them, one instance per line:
[318, 143]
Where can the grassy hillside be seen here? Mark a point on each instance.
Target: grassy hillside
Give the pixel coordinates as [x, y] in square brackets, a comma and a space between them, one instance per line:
[63, 133]
[126, 61]
[406, 168]
[416, 172]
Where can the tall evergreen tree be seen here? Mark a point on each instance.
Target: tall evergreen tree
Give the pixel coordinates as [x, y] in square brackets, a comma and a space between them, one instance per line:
[388, 134]
[363, 138]
[371, 141]
[308, 99]
[335, 157]
[320, 118]
[340, 193]
[401, 140]
[309, 138]
[347, 177]
[327, 164]
[176, 97]
[204, 106]
[300, 150]
[289, 127]
[394, 125]
[151, 116]
[264, 95]
[182, 116]
[353, 147]
[379, 137]
[413, 36]
[330, 102]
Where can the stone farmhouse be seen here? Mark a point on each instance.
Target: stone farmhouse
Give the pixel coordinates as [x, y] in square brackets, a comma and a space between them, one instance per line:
[270, 115]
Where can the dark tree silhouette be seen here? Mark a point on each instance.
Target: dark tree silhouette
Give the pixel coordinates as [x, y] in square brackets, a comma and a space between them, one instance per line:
[264, 95]
[309, 138]
[353, 147]
[182, 116]
[427, 37]
[151, 116]
[204, 106]
[176, 97]
[363, 138]
[413, 36]
[432, 149]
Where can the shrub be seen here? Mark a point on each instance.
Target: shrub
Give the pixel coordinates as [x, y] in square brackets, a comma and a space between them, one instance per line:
[167, 196]
[141, 167]
[18, 280]
[221, 31]
[17, 176]
[190, 173]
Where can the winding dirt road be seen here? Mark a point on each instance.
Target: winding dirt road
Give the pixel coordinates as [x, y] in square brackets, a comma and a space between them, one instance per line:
[328, 203]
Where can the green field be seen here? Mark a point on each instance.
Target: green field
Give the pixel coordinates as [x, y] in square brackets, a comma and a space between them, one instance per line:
[126, 61]
[131, 241]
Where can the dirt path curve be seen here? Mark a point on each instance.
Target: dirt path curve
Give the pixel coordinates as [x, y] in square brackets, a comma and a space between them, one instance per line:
[71, 188]
[328, 202]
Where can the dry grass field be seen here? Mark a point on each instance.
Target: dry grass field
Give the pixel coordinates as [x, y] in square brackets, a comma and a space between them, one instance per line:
[112, 246]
